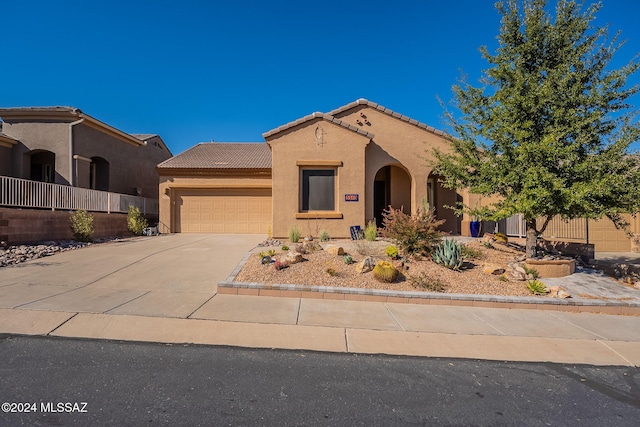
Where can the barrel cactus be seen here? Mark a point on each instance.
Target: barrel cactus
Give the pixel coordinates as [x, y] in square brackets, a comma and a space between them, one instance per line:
[384, 271]
[449, 254]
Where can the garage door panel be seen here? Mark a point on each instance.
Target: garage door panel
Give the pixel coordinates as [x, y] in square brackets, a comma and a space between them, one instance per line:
[223, 211]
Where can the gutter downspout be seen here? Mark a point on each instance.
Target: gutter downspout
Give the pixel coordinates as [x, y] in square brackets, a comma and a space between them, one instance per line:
[71, 174]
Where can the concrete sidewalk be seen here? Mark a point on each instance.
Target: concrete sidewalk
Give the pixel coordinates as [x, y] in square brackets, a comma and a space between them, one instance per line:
[162, 289]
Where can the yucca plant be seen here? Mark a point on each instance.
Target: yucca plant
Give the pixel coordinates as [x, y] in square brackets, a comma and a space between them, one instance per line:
[449, 254]
[536, 287]
[384, 271]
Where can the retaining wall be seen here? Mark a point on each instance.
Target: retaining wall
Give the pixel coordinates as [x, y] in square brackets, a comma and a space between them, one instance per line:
[33, 225]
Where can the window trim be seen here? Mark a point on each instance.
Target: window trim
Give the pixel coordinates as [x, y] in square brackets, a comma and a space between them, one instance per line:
[326, 165]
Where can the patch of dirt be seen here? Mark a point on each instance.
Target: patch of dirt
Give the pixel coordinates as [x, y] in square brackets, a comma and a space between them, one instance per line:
[314, 270]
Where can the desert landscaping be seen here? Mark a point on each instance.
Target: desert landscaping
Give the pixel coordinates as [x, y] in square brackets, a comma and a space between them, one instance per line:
[485, 269]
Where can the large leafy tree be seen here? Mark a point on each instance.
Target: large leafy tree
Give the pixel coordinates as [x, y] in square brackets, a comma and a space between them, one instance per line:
[549, 128]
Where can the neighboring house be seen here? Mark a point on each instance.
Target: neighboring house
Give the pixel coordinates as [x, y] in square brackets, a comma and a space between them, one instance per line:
[324, 171]
[63, 145]
[53, 159]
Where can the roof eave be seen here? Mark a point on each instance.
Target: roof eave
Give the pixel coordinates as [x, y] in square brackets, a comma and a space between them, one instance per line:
[317, 115]
[69, 113]
[388, 112]
[168, 171]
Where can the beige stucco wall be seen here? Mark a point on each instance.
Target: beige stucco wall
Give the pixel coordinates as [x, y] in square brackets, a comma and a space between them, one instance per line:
[341, 146]
[131, 166]
[171, 184]
[396, 143]
[50, 136]
[400, 143]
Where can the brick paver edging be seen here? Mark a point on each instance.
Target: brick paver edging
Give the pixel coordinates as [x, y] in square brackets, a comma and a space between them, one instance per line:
[576, 305]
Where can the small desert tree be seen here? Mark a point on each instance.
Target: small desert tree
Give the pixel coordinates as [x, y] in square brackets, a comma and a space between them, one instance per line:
[548, 131]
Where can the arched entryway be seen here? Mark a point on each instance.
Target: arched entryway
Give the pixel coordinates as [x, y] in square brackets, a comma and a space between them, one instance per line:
[42, 166]
[391, 187]
[99, 174]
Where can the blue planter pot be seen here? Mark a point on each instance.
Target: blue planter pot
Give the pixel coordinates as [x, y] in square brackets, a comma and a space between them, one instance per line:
[474, 228]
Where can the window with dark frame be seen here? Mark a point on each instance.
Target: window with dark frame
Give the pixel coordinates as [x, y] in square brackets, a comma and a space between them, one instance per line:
[318, 190]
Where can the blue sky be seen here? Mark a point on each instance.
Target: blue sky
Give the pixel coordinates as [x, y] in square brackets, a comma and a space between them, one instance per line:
[193, 71]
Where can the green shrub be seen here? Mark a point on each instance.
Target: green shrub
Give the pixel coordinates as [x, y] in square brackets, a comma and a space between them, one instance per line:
[347, 259]
[531, 272]
[324, 236]
[470, 253]
[392, 251]
[415, 234]
[448, 254]
[423, 281]
[136, 223]
[371, 232]
[384, 271]
[82, 225]
[285, 248]
[487, 245]
[501, 237]
[294, 234]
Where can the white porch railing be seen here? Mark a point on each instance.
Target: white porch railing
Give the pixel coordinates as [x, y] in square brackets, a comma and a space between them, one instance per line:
[574, 229]
[515, 226]
[23, 193]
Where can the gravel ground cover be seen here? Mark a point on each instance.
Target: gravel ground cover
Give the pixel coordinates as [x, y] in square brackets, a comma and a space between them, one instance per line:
[315, 268]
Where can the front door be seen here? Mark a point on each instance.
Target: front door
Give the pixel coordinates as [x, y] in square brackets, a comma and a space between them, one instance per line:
[380, 200]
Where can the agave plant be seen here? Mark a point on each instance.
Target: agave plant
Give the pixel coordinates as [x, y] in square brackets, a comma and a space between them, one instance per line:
[449, 254]
[536, 287]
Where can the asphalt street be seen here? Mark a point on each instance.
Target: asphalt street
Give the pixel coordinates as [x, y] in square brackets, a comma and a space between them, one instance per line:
[64, 381]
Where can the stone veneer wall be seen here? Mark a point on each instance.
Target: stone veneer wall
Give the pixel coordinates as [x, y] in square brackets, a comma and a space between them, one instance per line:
[33, 225]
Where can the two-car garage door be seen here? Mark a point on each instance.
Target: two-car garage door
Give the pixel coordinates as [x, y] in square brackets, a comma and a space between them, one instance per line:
[223, 210]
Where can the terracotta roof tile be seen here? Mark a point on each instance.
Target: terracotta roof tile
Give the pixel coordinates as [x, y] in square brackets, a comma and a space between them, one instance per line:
[222, 155]
[316, 115]
[388, 111]
[330, 116]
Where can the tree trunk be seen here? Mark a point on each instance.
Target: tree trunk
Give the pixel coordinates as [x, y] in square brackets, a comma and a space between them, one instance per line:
[532, 239]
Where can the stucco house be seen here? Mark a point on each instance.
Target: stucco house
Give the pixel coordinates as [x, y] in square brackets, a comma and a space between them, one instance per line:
[330, 171]
[59, 159]
[325, 171]
[64, 145]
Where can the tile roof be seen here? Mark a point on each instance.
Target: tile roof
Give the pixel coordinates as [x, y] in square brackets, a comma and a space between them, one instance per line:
[144, 136]
[66, 113]
[327, 117]
[222, 155]
[387, 111]
[330, 116]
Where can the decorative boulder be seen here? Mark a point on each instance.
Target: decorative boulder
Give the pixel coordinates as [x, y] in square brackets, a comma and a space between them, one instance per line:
[515, 271]
[558, 292]
[293, 257]
[335, 250]
[365, 265]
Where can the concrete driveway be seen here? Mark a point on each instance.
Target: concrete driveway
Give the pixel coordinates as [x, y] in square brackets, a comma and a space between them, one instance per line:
[171, 275]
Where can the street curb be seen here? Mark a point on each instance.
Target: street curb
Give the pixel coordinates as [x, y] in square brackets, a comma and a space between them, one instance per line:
[574, 305]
